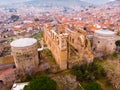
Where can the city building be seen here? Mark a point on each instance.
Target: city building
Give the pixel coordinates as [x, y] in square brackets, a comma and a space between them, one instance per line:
[19, 86]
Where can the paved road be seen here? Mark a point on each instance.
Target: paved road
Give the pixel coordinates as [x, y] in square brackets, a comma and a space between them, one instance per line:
[4, 66]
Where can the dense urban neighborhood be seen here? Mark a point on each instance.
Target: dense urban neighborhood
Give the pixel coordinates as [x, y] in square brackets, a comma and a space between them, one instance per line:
[59, 45]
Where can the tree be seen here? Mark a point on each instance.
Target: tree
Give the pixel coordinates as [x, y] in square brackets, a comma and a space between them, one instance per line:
[36, 19]
[41, 83]
[89, 72]
[14, 17]
[117, 43]
[38, 35]
[92, 86]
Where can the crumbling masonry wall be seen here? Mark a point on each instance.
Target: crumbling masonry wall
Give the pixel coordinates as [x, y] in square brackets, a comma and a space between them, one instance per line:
[58, 39]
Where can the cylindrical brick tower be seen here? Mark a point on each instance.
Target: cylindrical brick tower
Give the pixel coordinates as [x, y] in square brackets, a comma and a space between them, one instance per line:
[25, 54]
[104, 42]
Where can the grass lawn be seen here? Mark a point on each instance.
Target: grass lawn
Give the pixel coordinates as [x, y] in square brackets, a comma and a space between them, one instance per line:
[107, 64]
[105, 84]
[38, 35]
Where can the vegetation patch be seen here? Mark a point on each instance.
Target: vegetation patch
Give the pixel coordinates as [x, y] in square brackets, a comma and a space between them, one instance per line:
[91, 86]
[66, 82]
[117, 43]
[41, 83]
[87, 72]
[38, 35]
[49, 55]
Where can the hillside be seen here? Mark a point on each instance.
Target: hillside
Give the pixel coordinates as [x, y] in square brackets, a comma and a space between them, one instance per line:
[64, 3]
[115, 3]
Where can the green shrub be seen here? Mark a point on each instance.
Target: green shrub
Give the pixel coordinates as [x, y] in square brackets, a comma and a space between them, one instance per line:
[92, 86]
[38, 35]
[115, 54]
[41, 83]
[89, 72]
[27, 87]
[117, 43]
[27, 78]
[36, 19]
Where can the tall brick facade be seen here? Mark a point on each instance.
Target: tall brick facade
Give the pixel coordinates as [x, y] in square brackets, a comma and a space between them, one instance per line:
[58, 40]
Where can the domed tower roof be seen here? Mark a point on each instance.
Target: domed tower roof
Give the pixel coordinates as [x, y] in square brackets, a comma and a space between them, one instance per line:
[105, 32]
[23, 42]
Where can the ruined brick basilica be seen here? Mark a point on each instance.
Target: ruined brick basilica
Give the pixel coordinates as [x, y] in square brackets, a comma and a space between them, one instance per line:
[69, 44]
